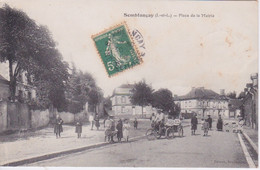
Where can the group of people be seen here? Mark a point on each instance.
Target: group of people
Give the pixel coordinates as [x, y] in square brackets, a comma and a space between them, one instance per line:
[58, 127]
[206, 124]
[159, 121]
[121, 129]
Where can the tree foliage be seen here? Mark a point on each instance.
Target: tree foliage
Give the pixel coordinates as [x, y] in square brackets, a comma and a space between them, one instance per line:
[29, 48]
[81, 89]
[142, 94]
[162, 99]
[232, 95]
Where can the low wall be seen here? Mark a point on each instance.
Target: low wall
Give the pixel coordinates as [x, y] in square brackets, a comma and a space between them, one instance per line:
[40, 118]
[3, 116]
[68, 117]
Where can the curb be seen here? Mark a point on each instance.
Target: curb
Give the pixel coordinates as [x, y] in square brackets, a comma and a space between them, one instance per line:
[66, 152]
[250, 141]
[57, 154]
[246, 153]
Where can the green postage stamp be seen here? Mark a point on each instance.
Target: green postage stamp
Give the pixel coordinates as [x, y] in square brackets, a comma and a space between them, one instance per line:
[116, 49]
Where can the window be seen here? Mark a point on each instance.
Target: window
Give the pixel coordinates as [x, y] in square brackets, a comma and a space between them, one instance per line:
[123, 109]
[123, 99]
[189, 103]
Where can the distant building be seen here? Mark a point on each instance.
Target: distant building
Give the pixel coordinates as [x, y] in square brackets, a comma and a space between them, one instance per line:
[24, 89]
[203, 102]
[121, 104]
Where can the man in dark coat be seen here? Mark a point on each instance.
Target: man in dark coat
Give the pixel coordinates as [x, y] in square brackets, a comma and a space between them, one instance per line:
[97, 124]
[119, 128]
[194, 123]
[58, 126]
[209, 120]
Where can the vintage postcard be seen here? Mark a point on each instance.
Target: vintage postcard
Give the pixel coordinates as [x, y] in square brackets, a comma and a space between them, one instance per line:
[129, 83]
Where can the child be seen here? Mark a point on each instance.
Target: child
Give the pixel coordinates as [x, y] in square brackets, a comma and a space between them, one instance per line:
[135, 123]
[206, 127]
[202, 124]
[126, 127]
[78, 128]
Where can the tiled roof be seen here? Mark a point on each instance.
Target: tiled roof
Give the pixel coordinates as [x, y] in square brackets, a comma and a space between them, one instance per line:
[127, 86]
[201, 93]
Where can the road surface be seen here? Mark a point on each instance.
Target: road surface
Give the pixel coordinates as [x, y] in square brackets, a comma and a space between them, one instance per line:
[219, 149]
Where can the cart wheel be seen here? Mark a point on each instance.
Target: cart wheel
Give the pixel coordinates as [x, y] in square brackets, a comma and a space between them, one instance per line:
[150, 134]
[169, 133]
[157, 134]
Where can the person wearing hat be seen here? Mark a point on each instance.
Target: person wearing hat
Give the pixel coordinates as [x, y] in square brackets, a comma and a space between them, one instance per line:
[159, 120]
[58, 126]
[210, 122]
[194, 123]
[119, 128]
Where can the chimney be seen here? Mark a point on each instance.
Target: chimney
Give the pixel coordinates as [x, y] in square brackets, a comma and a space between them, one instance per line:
[222, 92]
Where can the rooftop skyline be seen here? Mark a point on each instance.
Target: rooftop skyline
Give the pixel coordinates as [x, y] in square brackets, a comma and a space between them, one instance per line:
[216, 53]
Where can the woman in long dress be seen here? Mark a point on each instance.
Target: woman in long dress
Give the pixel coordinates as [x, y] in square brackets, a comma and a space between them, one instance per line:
[126, 127]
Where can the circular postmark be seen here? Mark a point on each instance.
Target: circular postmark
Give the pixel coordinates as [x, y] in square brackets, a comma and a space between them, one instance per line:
[139, 40]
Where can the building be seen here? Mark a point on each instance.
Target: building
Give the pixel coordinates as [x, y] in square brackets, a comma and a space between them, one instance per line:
[250, 103]
[24, 89]
[203, 102]
[121, 104]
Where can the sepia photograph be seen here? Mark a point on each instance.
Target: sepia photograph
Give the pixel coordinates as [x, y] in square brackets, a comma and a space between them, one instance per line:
[133, 83]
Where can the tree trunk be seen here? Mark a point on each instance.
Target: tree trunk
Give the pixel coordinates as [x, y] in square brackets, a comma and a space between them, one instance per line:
[12, 85]
[142, 112]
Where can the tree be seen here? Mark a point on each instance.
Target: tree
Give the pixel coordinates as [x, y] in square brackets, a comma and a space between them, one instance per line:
[81, 89]
[162, 99]
[142, 95]
[232, 95]
[94, 97]
[29, 47]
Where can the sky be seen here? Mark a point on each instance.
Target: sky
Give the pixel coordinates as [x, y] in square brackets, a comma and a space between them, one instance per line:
[217, 52]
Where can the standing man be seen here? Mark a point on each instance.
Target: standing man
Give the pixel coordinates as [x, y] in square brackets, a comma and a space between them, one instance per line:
[96, 119]
[159, 120]
[209, 120]
[135, 123]
[58, 126]
[91, 120]
[194, 123]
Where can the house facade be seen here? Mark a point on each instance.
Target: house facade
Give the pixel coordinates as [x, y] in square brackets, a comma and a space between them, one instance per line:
[24, 89]
[250, 103]
[121, 104]
[203, 102]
